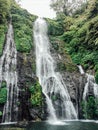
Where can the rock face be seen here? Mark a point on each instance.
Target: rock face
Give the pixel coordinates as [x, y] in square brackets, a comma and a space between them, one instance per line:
[27, 78]
[24, 75]
[75, 83]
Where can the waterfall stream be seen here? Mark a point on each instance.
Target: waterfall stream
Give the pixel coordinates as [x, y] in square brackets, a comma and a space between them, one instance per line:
[8, 73]
[90, 89]
[89, 84]
[52, 83]
[81, 69]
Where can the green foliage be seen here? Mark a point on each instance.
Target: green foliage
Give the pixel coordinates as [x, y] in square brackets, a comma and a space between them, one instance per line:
[90, 108]
[80, 35]
[81, 42]
[36, 95]
[23, 29]
[96, 77]
[65, 63]
[67, 36]
[54, 27]
[1, 113]
[3, 94]
[4, 17]
[3, 29]
[18, 103]
[92, 9]
[61, 66]
[81, 10]
[68, 8]
[3, 85]
[58, 5]
[4, 10]
[34, 67]
[54, 97]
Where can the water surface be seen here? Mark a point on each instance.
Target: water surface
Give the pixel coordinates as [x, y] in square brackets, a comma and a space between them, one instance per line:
[72, 125]
[67, 126]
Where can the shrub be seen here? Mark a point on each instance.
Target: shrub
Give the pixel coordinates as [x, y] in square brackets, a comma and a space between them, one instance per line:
[23, 29]
[36, 95]
[54, 28]
[90, 108]
[3, 95]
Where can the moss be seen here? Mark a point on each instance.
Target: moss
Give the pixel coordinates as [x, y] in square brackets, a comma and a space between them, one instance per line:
[71, 67]
[34, 67]
[66, 67]
[61, 66]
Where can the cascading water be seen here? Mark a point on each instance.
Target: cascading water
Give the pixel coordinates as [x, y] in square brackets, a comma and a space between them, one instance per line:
[8, 73]
[81, 69]
[51, 81]
[89, 84]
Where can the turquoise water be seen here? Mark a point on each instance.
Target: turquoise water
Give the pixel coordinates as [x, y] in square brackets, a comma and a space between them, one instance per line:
[77, 125]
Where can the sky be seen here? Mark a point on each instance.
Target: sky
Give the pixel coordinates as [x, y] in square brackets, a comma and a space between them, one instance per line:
[38, 7]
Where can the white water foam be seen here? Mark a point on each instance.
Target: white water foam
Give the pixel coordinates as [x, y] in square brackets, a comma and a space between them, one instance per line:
[8, 73]
[51, 81]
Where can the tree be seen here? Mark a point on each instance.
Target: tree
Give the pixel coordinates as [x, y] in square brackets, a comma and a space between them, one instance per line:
[4, 9]
[68, 7]
[57, 5]
[92, 8]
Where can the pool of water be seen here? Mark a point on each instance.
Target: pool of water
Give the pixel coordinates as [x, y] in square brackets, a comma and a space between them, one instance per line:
[69, 125]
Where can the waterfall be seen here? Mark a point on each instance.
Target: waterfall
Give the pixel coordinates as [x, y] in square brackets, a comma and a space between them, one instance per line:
[51, 81]
[81, 69]
[89, 84]
[90, 88]
[8, 73]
